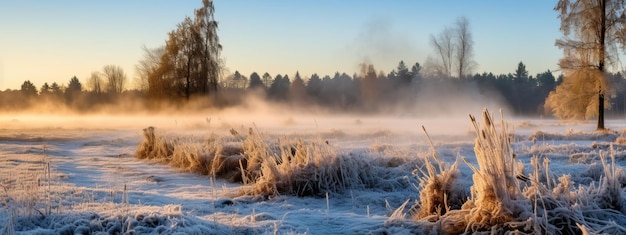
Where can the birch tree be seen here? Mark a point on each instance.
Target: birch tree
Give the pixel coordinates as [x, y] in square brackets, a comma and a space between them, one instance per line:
[190, 64]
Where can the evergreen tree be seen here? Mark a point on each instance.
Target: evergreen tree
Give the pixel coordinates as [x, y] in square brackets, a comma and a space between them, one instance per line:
[314, 86]
[28, 90]
[73, 91]
[297, 89]
[256, 82]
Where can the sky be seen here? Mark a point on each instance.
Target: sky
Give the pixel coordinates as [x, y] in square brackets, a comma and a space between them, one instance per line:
[52, 41]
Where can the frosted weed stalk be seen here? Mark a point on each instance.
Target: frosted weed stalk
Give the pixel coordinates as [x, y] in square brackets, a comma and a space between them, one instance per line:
[496, 199]
[502, 204]
[437, 188]
[495, 191]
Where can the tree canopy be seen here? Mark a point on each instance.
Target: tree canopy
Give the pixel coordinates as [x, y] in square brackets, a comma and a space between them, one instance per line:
[592, 30]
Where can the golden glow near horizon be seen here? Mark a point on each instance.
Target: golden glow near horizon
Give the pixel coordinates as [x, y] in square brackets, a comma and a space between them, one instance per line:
[52, 42]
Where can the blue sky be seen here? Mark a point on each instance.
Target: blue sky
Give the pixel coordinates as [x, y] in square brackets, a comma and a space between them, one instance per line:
[51, 41]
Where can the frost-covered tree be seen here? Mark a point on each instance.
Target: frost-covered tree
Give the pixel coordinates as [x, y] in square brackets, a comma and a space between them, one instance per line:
[592, 30]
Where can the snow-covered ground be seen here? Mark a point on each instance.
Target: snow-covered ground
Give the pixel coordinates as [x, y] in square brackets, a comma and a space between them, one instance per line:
[79, 175]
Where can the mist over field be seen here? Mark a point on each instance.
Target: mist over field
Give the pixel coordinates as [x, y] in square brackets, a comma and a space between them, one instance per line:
[262, 166]
[191, 144]
[442, 109]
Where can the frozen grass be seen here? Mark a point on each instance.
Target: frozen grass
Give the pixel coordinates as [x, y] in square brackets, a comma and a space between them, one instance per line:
[504, 200]
[138, 220]
[571, 135]
[495, 190]
[354, 183]
[439, 192]
[303, 169]
[288, 167]
[26, 191]
[209, 158]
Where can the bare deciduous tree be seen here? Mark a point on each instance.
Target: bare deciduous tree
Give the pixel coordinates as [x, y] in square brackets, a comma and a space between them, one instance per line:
[147, 65]
[95, 83]
[444, 47]
[464, 48]
[454, 49]
[116, 78]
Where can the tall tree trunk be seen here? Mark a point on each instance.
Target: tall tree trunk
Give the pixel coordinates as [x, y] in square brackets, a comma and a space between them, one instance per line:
[601, 66]
[600, 111]
[188, 86]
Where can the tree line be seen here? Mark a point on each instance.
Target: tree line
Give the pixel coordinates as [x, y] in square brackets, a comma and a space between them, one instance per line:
[369, 90]
[189, 67]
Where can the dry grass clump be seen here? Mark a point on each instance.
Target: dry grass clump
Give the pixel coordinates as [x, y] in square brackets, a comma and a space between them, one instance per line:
[302, 169]
[495, 186]
[505, 201]
[288, 167]
[438, 190]
[496, 204]
[621, 140]
[210, 158]
[153, 146]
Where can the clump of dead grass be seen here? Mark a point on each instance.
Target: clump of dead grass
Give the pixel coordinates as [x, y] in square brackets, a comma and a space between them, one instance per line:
[302, 168]
[505, 200]
[153, 146]
[209, 158]
[621, 140]
[438, 190]
[289, 167]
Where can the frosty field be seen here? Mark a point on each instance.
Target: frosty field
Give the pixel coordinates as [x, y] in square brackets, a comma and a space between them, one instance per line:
[325, 174]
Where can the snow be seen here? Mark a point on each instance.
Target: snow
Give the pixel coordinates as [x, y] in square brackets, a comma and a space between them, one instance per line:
[79, 175]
